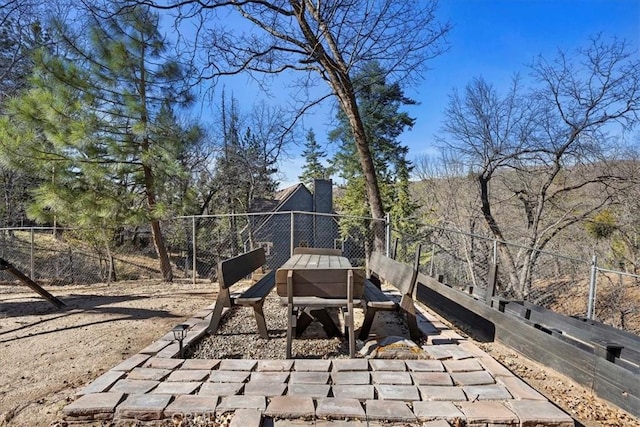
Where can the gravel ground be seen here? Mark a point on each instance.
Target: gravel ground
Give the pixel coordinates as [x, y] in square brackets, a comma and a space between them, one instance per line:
[237, 337]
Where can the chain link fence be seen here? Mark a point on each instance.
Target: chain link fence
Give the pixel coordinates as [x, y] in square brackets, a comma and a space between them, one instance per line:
[199, 242]
[569, 286]
[566, 285]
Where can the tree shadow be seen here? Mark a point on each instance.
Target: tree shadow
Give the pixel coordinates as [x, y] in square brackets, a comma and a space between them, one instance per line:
[85, 305]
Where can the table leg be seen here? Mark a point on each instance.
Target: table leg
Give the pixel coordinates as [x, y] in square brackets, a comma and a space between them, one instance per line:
[304, 320]
[305, 317]
[330, 328]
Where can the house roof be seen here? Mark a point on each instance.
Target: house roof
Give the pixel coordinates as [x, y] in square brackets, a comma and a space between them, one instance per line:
[279, 198]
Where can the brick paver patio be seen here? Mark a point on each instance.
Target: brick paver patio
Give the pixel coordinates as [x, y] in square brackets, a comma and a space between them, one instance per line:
[461, 385]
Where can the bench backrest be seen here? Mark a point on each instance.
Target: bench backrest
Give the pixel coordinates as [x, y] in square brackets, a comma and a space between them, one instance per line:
[232, 270]
[400, 275]
[316, 251]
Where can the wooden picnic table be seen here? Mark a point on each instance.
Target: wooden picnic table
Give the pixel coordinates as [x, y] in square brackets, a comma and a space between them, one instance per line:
[310, 283]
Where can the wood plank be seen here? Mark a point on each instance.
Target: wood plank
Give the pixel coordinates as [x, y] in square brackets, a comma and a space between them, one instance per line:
[258, 291]
[320, 302]
[580, 329]
[608, 380]
[234, 269]
[5, 265]
[616, 385]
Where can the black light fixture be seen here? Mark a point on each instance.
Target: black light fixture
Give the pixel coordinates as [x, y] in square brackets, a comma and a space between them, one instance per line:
[179, 333]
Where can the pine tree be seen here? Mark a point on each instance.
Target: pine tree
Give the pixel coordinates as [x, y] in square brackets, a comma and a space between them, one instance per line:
[90, 127]
[313, 155]
[379, 103]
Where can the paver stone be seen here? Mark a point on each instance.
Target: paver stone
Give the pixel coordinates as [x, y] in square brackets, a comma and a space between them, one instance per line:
[425, 365]
[182, 375]
[332, 408]
[466, 365]
[197, 364]
[426, 411]
[472, 378]
[291, 407]
[246, 418]
[270, 376]
[143, 407]
[237, 365]
[431, 378]
[177, 388]
[387, 377]
[274, 365]
[228, 376]
[192, 404]
[148, 374]
[389, 410]
[387, 365]
[132, 362]
[94, 403]
[163, 363]
[487, 412]
[233, 403]
[533, 413]
[406, 393]
[520, 390]
[486, 392]
[350, 365]
[319, 365]
[355, 391]
[309, 377]
[220, 389]
[264, 388]
[102, 383]
[134, 386]
[357, 377]
[309, 390]
[442, 393]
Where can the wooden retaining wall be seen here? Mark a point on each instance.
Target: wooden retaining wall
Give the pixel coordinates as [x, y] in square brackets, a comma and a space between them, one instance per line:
[599, 357]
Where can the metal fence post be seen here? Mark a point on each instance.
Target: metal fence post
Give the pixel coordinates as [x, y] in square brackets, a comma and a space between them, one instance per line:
[387, 219]
[433, 259]
[495, 252]
[31, 264]
[292, 229]
[193, 248]
[592, 288]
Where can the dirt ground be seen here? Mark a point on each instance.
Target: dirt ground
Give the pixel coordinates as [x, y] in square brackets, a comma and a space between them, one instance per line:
[46, 354]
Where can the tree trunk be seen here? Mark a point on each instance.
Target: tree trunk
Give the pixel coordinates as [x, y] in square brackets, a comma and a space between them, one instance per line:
[161, 250]
[156, 231]
[350, 107]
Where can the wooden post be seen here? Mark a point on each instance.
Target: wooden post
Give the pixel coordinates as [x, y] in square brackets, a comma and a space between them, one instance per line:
[4, 265]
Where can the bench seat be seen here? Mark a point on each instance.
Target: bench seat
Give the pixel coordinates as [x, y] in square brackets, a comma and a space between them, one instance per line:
[230, 272]
[400, 276]
[376, 298]
[258, 291]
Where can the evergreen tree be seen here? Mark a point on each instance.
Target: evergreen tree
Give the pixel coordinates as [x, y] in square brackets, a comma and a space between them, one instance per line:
[313, 154]
[91, 128]
[379, 103]
[21, 33]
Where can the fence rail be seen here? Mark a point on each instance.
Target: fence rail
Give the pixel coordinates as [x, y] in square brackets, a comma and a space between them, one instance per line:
[567, 285]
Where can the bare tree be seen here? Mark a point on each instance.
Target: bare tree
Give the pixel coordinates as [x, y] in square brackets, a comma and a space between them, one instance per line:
[539, 157]
[315, 41]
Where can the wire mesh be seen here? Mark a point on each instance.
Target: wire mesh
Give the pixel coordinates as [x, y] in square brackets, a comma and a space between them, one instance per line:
[196, 245]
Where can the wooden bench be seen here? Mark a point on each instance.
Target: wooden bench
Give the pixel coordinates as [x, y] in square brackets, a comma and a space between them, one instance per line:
[399, 275]
[230, 272]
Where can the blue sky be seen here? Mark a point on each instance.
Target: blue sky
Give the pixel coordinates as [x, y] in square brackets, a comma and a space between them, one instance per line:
[494, 39]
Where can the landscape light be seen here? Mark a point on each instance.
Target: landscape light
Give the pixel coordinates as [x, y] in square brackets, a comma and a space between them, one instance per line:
[179, 333]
